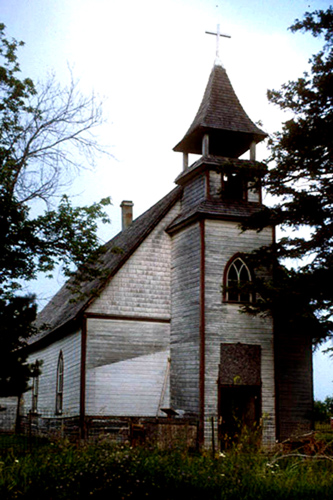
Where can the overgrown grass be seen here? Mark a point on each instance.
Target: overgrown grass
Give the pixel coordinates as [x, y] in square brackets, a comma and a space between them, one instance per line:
[64, 471]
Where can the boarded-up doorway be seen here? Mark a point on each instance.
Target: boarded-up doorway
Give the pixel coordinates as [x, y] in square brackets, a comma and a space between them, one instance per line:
[239, 397]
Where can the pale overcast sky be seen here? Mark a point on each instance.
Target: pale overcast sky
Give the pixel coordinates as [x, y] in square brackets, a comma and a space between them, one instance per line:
[150, 60]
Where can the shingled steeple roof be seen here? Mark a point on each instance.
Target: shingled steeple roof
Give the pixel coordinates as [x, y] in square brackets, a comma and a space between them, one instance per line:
[222, 117]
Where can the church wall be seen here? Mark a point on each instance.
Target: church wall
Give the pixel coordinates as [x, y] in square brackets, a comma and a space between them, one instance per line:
[142, 286]
[294, 382]
[8, 409]
[194, 192]
[215, 184]
[225, 324]
[185, 319]
[253, 194]
[127, 358]
[71, 349]
[127, 367]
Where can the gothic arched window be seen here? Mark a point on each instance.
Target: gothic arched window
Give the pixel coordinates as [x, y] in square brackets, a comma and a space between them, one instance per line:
[237, 277]
[60, 384]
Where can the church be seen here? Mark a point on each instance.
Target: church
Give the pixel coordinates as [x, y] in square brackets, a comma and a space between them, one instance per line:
[163, 334]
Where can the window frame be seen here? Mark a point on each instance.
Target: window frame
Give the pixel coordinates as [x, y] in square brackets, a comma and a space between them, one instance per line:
[60, 385]
[231, 265]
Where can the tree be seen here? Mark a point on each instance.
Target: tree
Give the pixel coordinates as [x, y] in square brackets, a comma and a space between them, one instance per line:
[300, 178]
[45, 130]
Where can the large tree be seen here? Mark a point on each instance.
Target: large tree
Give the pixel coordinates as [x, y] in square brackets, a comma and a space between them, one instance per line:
[300, 178]
[45, 132]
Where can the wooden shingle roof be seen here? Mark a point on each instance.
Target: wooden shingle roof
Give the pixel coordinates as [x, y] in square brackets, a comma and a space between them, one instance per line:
[62, 310]
[215, 209]
[221, 115]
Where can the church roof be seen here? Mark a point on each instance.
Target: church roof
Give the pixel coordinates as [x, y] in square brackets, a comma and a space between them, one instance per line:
[215, 209]
[221, 115]
[62, 309]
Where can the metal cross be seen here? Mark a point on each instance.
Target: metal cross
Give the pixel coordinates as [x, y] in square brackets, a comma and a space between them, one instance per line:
[217, 34]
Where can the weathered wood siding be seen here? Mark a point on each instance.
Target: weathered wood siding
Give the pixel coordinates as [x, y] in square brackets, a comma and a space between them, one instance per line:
[142, 286]
[184, 385]
[253, 195]
[215, 184]
[127, 363]
[194, 192]
[225, 324]
[294, 383]
[8, 409]
[71, 349]
[215, 188]
[127, 357]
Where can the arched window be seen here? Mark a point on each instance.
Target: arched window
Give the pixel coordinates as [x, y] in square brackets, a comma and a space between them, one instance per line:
[236, 278]
[60, 384]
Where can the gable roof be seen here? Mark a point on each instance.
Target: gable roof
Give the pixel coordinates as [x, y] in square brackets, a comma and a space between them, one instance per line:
[62, 309]
[220, 114]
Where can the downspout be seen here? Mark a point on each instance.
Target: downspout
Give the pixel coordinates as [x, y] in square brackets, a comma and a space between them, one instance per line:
[83, 378]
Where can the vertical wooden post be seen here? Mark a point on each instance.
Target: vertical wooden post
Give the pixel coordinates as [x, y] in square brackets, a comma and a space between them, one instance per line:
[185, 161]
[83, 379]
[213, 438]
[253, 151]
[202, 336]
[205, 145]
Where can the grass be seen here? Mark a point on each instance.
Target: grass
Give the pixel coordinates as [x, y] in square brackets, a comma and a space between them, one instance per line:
[63, 471]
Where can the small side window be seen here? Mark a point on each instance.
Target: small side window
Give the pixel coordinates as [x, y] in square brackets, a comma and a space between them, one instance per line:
[60, 384]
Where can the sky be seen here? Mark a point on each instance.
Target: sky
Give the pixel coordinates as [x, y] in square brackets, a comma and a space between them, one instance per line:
[149, 61]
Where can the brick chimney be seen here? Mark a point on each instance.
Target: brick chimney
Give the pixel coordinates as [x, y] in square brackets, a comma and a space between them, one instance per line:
[126, 213]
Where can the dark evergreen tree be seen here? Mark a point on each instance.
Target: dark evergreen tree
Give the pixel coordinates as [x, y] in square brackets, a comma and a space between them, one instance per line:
[300, 177]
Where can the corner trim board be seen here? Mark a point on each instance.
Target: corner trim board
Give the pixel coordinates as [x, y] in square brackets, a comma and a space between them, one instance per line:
[202, 335]
[83, 377]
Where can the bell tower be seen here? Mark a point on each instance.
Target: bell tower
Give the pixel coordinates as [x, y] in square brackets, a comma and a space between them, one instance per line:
[222, 362]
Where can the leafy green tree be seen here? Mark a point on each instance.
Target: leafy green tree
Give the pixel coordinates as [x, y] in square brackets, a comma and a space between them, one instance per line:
[45, 132]
[323, 410]
[300, 178]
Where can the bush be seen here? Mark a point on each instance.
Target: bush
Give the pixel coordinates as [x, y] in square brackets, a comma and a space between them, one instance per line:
[323, 410]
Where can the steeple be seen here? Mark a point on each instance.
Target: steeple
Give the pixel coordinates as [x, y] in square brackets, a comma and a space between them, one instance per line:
[221, 127]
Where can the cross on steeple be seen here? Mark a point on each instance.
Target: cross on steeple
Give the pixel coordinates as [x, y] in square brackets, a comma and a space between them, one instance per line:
[217, 34]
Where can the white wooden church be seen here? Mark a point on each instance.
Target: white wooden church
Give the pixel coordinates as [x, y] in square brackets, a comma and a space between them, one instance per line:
[164, 332]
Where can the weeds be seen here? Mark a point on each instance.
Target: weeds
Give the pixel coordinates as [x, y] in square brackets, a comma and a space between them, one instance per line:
[64, 471]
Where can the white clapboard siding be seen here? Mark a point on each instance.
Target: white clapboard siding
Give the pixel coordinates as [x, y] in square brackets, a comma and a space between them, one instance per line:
[119, 354]
[215, 184]
[226, 324]
[71, 350]
[8, 409]
[184, 384]
[142, 286]
[126, 359]
[128, 388]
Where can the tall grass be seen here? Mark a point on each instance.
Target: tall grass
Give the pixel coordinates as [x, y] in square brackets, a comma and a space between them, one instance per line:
[64, 471]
